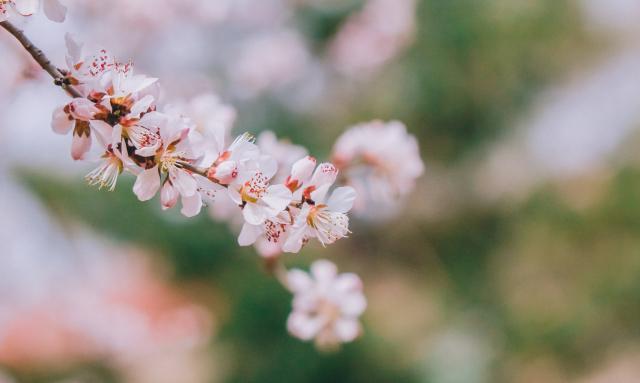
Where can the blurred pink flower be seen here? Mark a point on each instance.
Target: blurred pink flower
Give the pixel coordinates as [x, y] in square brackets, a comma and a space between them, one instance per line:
[269, 61]
[373, 36]
[101, 319]
[381, 160]
[326, 305]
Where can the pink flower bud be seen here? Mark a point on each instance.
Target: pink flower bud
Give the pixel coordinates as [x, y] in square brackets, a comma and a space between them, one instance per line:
[168, 196]
[226, 172]
[80, 145]
[302, 169]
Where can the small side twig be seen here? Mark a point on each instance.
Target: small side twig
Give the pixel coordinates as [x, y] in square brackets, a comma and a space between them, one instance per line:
[40, 58]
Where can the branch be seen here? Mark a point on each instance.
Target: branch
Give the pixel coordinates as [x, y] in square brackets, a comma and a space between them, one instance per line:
[40, 58]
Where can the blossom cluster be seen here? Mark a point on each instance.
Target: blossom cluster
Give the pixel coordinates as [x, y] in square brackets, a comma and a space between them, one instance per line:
[281, 197]
[191, 160]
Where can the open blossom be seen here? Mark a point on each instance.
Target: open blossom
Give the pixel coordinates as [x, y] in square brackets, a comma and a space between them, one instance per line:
[84, 70]
[283, 197]
[112, 164]
[322, 218]
[326, 305]
[241, 156]
[384, 169]
[286, 230]
[258, 198]
[52, 8]
[116, 101]
[167, 170]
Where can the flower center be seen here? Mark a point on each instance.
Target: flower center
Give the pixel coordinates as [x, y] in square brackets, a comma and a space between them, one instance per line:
[254, 189]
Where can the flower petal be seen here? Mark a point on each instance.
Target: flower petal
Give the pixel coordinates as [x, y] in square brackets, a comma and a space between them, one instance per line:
[80, 145]
[105, 133]
[54, 10]
[341, 200]
[325, 174]
[184, 182]
[294, 242]
[141, 105]
[303, 326]
[299, 281]
[303, 168]
[249, 234]
[353, 305]
[191, 205]
[61, 122]
[323, 270]
[346, 329]
[254, 214]
[147, 184]
[168, 196]
[277, 197]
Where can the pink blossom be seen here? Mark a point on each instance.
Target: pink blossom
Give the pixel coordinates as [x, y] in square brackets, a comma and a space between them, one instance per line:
[382, 169]
[372, 37]
[326, 305]
[242, 155]
[259, 199]
[322, 218]
[169, 172]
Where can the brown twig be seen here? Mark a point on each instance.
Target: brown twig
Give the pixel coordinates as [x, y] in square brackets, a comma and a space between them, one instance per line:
[40, 58]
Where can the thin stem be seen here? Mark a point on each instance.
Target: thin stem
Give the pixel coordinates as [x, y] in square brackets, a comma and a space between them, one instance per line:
[199, 171]
[40, 58]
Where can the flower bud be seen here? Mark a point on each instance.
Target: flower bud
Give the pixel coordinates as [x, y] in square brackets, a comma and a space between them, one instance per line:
[168, 196]
[225, 172]
[303, 168]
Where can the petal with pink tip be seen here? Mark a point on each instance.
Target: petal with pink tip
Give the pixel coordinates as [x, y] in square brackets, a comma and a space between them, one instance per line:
[168, 196]
[325, 174]
[80, 145]
[303, 169]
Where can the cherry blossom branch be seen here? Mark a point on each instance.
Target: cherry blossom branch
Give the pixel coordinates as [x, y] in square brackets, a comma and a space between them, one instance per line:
[41, 58]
